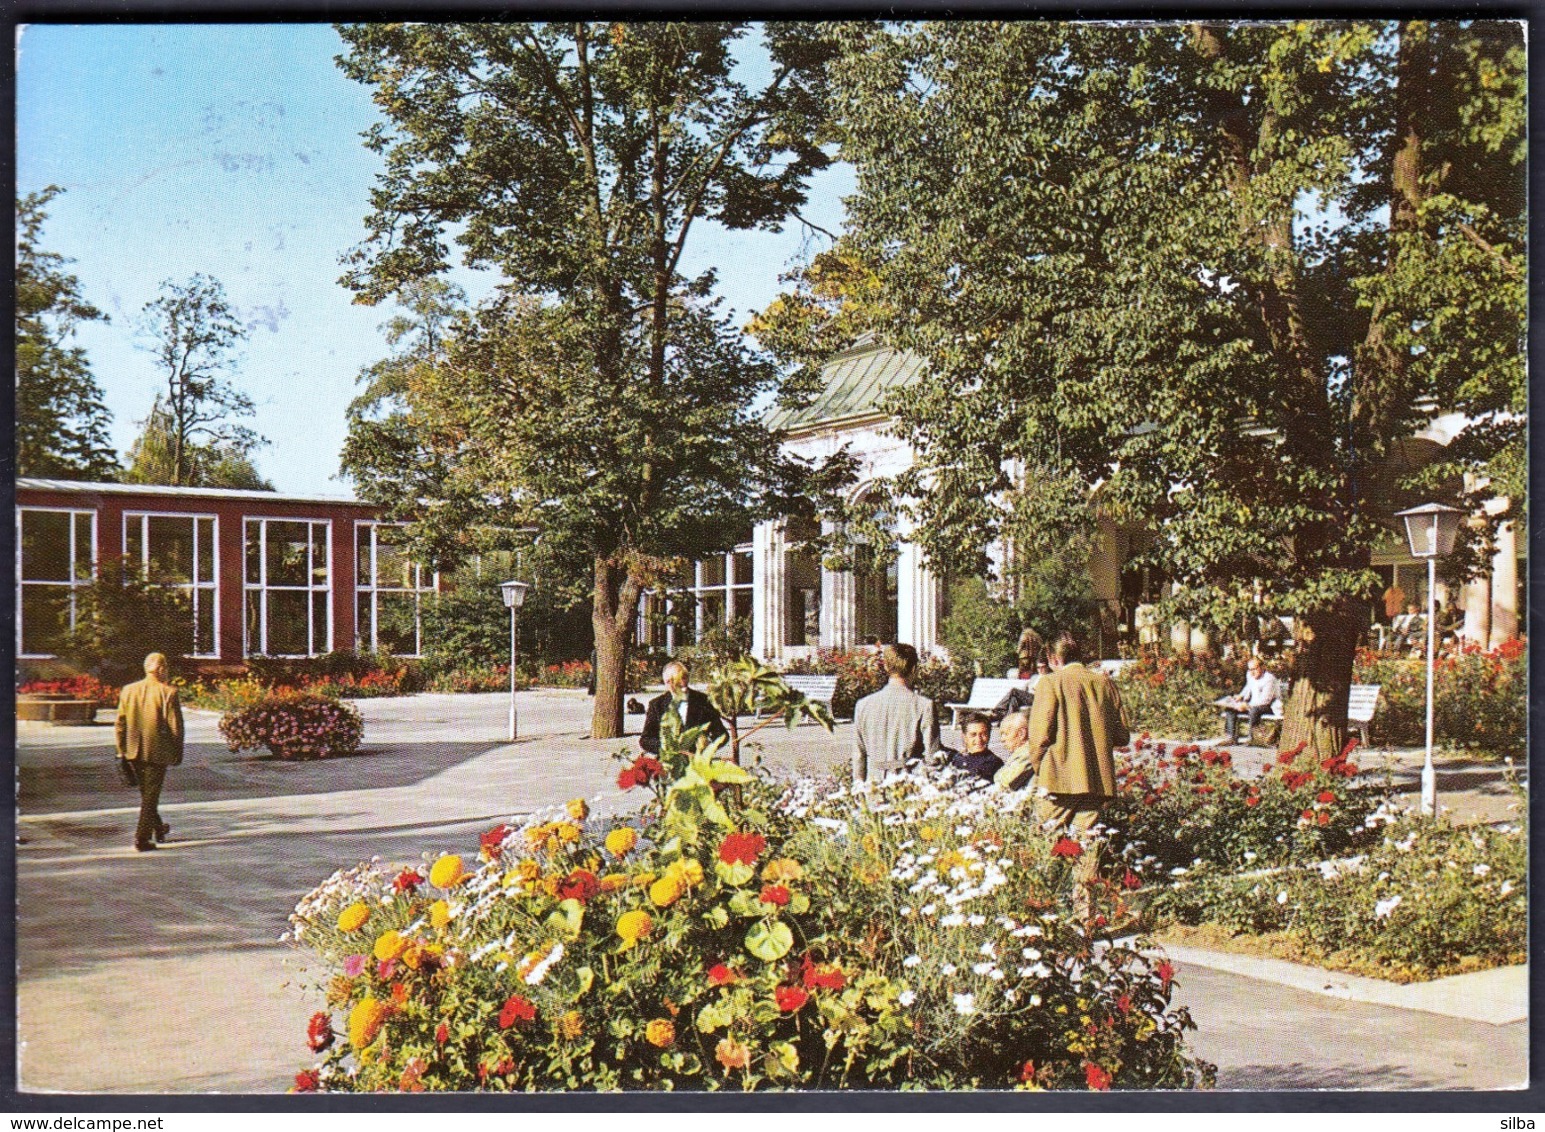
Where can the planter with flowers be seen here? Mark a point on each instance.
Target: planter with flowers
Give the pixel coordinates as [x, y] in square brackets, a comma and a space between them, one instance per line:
[295, 725]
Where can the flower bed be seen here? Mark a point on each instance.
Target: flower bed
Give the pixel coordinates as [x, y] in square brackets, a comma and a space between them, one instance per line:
[1480, 699]
[1173, 696]
[295, 725]
[738, 935]
[73, 687]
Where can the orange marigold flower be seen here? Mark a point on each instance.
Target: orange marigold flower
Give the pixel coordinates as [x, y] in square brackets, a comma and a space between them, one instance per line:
[577, 808]
[741, 848]
[365, 1021]
[732, 1054]
[719, 975]
[620, 841]
[353, 917]
[390, 945]
[447, 872]
[571, 1025]
[781, 869]
[661, 1032]
[775, 894]
[665, 891]
[439, 914]
[633, 926]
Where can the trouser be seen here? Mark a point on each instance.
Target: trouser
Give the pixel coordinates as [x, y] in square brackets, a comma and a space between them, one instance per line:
[151, 778]
[1231, 718]
[1075, 813]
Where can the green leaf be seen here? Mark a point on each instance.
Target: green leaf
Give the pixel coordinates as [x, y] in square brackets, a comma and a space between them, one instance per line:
[735, 874]
[716, 917]
[586, 979]
[769, 942]
[714, 1016]
[567, 918]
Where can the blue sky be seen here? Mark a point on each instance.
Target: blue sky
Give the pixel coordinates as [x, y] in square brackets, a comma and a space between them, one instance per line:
[234, 150]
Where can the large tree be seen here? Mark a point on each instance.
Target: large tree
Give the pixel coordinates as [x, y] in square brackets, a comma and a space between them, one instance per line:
[61, 421]
[598, 399]
[195, 335]
[1217, 276]
[153, 458]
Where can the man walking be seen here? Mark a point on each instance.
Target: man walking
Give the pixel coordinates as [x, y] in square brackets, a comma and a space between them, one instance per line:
[150, 736]
[691, 707]
[895, 725]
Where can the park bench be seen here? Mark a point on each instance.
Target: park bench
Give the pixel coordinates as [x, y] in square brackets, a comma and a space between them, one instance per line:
[817, 689]
[1362, 700]
[986, 692]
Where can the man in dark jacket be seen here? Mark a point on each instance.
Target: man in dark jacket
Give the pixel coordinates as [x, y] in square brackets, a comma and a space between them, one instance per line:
[692, 708]
[976, 758]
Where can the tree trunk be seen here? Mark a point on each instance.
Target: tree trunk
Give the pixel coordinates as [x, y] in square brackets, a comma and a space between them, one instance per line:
[612, 613]
[1315, 709]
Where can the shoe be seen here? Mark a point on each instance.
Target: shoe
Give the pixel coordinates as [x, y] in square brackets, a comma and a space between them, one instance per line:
[144, 847]
[163, 831]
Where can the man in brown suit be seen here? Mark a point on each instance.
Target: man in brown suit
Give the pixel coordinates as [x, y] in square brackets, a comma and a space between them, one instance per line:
[149, 733]
[1075, 725]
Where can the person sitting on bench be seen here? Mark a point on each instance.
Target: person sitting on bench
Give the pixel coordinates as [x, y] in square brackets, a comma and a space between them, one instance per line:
[1254, 700]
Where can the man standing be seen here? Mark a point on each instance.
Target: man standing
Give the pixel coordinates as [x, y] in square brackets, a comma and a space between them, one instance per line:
[976, 758]
[690, 706]
[1260, 692]
[895, 725]
[150, 736]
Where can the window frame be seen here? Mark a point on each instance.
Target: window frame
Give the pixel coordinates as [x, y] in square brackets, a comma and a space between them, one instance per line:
[213, 585]
[263, 587]
[71, 584]
[418, 590]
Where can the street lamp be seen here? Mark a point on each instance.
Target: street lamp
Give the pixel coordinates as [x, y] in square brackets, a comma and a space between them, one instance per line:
[1431, 530]
[514, 594]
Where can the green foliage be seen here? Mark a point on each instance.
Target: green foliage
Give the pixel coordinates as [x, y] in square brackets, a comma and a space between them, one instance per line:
[748, 687]
[468, 624]
[598, 397]
[980, 629]
[193, 431]
[725, 939]
[1172, 696]
[120, 617]
[1480, 699]
[61, 420]
[718, 645]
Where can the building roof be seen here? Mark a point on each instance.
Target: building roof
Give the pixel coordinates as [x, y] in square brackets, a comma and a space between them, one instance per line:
[856, 380]
[82, 487]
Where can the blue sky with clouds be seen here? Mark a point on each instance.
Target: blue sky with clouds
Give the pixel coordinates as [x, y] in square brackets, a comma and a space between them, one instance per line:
[234, 150]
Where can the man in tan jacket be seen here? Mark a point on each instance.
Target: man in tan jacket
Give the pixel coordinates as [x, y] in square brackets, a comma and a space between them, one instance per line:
[150, 736]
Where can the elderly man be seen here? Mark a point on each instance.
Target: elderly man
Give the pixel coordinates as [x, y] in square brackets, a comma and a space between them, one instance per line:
[690, 706]
[1255, 700]
[1015, 773]
[150, 737]
[894, 726]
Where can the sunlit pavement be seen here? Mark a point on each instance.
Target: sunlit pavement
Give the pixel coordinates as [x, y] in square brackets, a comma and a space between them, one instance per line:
[163, 972]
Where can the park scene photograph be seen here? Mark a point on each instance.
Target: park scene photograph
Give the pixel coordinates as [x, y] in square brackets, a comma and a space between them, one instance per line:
[847, 557]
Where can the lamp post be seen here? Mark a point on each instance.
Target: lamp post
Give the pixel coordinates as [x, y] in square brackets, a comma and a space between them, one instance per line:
[1431, 530]
[514, 594]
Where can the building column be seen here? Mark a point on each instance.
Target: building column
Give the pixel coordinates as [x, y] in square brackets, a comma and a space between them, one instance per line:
[838, 616]
[1504, 587]
[769, 591]
[917, 600]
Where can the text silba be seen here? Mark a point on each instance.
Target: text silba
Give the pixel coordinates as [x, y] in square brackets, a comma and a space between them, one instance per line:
[1510, 1123]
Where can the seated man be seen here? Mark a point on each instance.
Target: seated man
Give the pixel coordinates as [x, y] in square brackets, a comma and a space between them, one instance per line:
[692, 707]
[1261, 690]
[1015, 773]
[1020, 699]
[976, 758]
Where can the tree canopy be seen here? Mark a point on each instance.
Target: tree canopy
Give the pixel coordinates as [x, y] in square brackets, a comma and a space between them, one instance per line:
[1220, 278]
[152, 459]
[61, 421]
[598, 400]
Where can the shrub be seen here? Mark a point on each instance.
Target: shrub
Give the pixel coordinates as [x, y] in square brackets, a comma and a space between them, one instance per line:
[1172, 696]
[470, 678]
[729, 940]
[567, 674]
[979, 629]
[224, 695]
[295, 725]
[945, 681]
[858, 673]
[120, 618]
[80, 687]
[1480, 699]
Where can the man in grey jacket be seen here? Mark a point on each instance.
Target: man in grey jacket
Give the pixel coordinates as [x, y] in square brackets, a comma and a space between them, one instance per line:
[894, 726]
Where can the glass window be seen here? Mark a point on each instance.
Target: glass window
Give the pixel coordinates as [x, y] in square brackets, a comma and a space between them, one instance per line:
[57, 549]
[178, 552]
[288, 599]
[389, 591]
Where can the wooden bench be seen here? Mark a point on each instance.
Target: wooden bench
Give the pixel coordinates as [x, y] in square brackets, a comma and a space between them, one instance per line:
[1362, 700]
[986, 691]
[818, 689]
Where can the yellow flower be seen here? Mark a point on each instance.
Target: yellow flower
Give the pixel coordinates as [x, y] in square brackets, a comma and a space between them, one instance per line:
[566, 832]
[665, 891]
[687, 872]
[643, 880]
[732, 1054]
[447, 872]
[353, 917]
[870, 873]
[578, 809]
[661, 1032]
[613, 882]
[782, 869]
[390, 945]
[928, 833]
[365, 1021]
[950, 860]
[620, 842]
[439, 914]
[537, 836]
[633, 926]
[571, 1025]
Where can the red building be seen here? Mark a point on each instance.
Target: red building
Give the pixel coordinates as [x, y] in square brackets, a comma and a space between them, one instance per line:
[266, 574]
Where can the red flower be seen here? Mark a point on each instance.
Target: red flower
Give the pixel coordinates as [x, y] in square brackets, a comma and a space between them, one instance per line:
[774, 894]
[1131, 881]
[741, 848]
[827, 975]
[627, 778]
[1124, 1003]
[1067, 847]
[1253, 800]
[1027, 1072]
[789, 999]
[307, 1081]
[1204, 789]
[319, 1031]
[644, 769]
[1096, 1076]
[516, 1009]
[1325, 797]
[1286, 757]
[1166, 973]
[579, 885]
[385, 968]
[1349, 748]
[406, 881]
[719, 975]
[1307, 815]
[442, 1034]
[492, 842]
[1324, 817]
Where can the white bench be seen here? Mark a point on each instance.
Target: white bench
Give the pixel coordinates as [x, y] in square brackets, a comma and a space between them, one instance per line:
[1362, 700]
[986, 692]
[818, 689]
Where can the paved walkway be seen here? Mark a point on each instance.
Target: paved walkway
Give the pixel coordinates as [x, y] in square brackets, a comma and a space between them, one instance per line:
[162, 972]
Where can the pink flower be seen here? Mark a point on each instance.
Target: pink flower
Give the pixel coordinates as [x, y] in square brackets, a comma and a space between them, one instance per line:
[354, 966]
